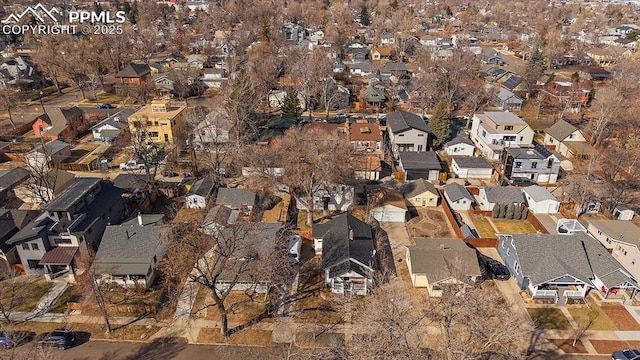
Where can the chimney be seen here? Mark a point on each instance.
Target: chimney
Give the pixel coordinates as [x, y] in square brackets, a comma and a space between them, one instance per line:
[442, 247]
[139, 219]
[350, 234]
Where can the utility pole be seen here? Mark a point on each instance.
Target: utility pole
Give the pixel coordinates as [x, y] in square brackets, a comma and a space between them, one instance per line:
[41, 103]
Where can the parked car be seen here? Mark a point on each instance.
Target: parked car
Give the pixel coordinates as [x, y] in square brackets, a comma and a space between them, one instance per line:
[131, 165]
[11, 339]
[62, 339]
[596, 179]
[105, 106]
[520, 181]
[497, 270]
[626, 354]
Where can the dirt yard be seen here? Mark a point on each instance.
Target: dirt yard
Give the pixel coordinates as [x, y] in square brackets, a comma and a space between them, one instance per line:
[430, 222]
[621, 317]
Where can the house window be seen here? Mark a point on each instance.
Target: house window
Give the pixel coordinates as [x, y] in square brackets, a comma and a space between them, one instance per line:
[534, 165]
[155, 123]
[518, 164]
[516, 266]
[34, 264]
[419, 147]
[25, 246]
[59, 241]
[420, 134]
[551, 141]
[35, 247]
[148, 123]
[502, 245]
[400, 134]
[633, 262]
[624, 252]
[521, 138]
[509, 138]
[550, 164]
[508, 127]
[570, 136]
[484, 134]
[136, 124]
[153, 134]
[508, 252]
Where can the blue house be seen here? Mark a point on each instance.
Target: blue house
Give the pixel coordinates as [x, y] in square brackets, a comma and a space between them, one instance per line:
[563, 267]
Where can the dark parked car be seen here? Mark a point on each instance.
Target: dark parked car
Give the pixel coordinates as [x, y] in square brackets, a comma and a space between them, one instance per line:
[105, 106]
[626, 354]
[10, 339]
[497, 270]
[522, 181]
[62, 339]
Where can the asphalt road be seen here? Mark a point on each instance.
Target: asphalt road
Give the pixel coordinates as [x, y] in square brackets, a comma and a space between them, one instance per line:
[100, 350]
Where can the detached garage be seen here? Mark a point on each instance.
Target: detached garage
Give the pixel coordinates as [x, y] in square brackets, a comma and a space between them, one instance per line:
[470, 167]
[540, 200]
[387, 205]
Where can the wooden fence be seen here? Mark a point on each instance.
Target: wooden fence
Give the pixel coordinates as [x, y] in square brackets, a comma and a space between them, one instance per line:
[449, 214]
[482, 242]
[536, 223]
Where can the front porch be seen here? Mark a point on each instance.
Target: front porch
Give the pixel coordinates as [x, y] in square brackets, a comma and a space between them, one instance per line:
[557, 292]
[350, 286]
[58, 262]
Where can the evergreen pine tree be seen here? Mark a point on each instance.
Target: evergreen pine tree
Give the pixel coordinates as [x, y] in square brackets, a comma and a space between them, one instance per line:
[133, 13]
[440, 125]
[495, 212]
[517, 214]
[291, 104]
[502, 210]
[525, 213]
[364, 16]
[510, 211]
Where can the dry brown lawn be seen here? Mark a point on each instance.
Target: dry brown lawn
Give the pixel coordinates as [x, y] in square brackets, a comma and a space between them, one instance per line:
[24, 292]
[508, 226]
[321, 307]
[38, 327]
[128, 332]
[239, 306]
[483, 227]
[254, 337]
[621, 317]
[566, 345]
[325, 340]
[602, 322]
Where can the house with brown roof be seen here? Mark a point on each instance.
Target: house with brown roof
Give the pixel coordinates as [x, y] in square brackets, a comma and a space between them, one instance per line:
[58, 122]
[133, 74]
[366, 138]
[380, 53]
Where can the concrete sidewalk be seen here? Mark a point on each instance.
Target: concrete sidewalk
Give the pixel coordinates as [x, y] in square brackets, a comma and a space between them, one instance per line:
[50, 297]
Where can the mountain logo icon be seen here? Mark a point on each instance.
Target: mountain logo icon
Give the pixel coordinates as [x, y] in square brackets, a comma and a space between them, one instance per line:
[39, 12]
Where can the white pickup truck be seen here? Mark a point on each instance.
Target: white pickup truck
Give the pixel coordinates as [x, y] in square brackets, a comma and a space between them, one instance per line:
[131, 165]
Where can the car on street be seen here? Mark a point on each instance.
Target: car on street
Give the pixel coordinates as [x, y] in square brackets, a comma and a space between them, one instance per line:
[520, 181]
[596, 179]
[131, 165]
[11, 339]
[626, 354]
[105, 106]
[497, 270]
[62, 339]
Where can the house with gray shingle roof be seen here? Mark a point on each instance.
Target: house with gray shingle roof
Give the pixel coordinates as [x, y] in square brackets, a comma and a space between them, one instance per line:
[459, 145]
[129, 254]
[491, 195]
[348, 255]
[471, 167]
[41, 158]
[109, 128]
[419, 165]
[198, 194]
[458, 197]
[562, 267]
[622, 239]
[421, 193]
[567, 140]
[408, 132]
[540, 200]
[236, 199]
[10, 179]
[434, 263]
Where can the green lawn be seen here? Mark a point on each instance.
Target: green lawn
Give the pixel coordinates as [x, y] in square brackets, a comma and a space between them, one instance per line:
[549, 318]
[601, 321]
[507, 226]
[483, 227]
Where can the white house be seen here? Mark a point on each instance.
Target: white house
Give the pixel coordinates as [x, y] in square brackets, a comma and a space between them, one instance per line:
[460, 145]
[276, 99]
[109, 128]
[198, 194]
[492, 132]
[471, 167]
[622, 239]
[458, 197]
[407, 132]
[623, 212]
[567, 140]
[540, 200]
[491, 195]
[387, 205]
